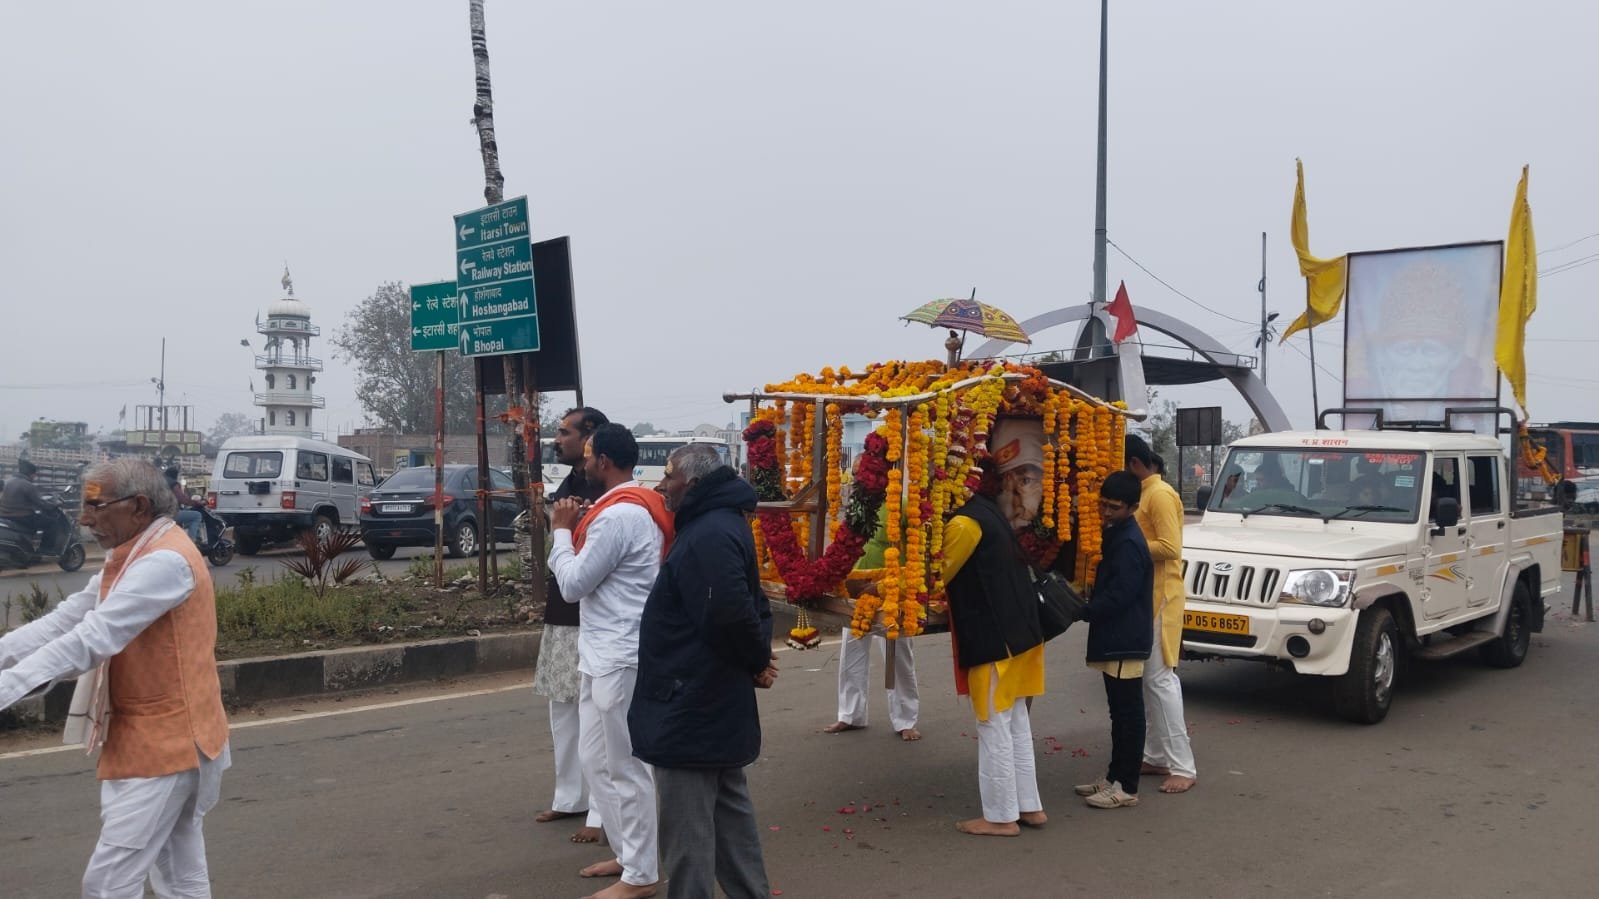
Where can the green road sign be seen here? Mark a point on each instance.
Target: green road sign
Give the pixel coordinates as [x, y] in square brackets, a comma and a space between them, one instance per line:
[494, 269]
[498, 337]
[435, 316]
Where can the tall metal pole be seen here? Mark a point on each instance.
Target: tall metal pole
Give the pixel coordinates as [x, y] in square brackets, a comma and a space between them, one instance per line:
[438, 471]
[161, 389]
[1099, 188]
[1315, 399]
[1265, 334]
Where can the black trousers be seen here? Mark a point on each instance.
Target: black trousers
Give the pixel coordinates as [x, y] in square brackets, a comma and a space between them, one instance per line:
[1125, 696]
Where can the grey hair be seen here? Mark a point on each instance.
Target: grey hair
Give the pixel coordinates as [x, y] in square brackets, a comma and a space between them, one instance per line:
[695, 461]
[134, 477]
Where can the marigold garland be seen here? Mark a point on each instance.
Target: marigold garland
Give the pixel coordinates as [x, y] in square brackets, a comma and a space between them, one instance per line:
[922, 462]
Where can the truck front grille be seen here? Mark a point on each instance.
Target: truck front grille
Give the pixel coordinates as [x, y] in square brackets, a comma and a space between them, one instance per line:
[1241, 584]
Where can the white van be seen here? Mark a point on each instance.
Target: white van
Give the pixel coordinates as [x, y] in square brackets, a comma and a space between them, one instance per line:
[270, 488]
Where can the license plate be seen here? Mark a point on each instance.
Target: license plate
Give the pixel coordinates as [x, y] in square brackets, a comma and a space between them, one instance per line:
[396, 507]
[1221, 624]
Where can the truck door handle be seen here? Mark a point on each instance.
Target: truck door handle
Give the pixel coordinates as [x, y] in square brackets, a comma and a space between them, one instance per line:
[1460, 531]
[1500, 525]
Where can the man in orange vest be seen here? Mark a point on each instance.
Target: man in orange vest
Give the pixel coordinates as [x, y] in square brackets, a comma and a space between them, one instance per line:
[606, 560]
[141, 639]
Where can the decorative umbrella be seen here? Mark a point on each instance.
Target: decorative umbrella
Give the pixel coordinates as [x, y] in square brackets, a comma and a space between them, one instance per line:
[967, 315]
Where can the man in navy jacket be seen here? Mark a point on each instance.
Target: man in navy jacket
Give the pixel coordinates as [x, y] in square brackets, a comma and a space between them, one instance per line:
[704, 647]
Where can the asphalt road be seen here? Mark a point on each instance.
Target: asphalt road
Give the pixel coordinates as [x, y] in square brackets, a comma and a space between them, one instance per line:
[57, 583]
[1480, 783]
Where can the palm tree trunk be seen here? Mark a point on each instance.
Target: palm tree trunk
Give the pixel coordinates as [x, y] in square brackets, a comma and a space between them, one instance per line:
[494, 192]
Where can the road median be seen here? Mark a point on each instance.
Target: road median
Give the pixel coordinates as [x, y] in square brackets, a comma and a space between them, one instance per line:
[247, 681]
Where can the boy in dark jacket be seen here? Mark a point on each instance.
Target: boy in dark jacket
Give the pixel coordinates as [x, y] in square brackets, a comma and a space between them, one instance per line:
[704, 647]
[1120, 633]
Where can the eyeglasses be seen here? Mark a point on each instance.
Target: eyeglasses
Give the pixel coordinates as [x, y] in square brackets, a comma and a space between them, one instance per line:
[97, 505]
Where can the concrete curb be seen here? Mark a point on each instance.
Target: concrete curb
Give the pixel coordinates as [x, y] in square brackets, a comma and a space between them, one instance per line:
[245, 681]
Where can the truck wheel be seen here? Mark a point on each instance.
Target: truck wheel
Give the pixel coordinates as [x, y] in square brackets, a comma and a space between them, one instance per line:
[323, 528]
[249, 544]
[1365, 693]
[1510, 648]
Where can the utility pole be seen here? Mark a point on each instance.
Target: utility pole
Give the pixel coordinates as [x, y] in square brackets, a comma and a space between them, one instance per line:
[1265, 331]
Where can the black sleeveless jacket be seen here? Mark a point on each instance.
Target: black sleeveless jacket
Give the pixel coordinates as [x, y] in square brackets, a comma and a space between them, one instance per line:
[992, 602]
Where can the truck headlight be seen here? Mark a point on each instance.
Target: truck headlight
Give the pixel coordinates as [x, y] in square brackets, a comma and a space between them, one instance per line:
[1318, 586]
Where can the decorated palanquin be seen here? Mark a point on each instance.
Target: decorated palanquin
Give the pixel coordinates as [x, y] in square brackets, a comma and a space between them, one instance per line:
[862, 543]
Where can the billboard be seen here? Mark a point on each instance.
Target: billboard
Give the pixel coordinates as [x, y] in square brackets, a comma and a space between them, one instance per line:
[1419, 331]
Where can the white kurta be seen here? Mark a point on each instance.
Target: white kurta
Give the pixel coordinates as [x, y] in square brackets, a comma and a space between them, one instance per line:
[149, 824]
[611, 578]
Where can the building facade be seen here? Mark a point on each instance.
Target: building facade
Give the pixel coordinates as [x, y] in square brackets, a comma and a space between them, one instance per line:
[288, 368]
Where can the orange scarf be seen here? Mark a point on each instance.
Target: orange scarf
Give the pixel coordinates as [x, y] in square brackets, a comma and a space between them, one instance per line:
[639, 496]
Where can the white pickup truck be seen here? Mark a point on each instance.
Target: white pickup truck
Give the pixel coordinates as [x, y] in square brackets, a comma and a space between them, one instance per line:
[1342, 553]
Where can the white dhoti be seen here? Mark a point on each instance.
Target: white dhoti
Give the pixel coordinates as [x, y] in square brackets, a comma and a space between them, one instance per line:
[855, 674]
[1166, 742]
[557, 677]
[621, 788]
[571, 787]
[1007, 776]
[151, 827]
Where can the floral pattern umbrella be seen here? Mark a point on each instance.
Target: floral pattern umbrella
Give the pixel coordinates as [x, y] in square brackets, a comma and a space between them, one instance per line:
[969, 315]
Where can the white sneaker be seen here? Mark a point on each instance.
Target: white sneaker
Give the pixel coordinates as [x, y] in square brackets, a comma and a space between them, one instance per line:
[1113, 796]
[1091, 789]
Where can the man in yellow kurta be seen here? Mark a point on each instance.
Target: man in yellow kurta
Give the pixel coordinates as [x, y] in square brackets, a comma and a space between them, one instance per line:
[1160, 517]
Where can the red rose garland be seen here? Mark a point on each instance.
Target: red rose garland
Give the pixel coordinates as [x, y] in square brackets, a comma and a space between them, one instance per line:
[807, 580]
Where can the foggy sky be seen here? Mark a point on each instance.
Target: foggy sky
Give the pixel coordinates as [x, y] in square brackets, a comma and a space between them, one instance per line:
[754, 191]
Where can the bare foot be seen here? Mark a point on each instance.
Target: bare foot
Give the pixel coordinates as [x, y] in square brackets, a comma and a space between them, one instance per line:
[1148, 770]
[910, 735]
[1177, 784]
[623, 891]
[553, 815]
[1033, 819]
[838, 727]
[612, 868]
[586, 834]
[982, 827]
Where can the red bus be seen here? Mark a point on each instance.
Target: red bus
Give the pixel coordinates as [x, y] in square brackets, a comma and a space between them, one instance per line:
[1572, 449]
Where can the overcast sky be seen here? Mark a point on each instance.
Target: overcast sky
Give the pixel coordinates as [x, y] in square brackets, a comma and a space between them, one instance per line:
[753, 192]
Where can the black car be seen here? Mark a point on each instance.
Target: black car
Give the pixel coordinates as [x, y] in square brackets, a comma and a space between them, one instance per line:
[400, 511]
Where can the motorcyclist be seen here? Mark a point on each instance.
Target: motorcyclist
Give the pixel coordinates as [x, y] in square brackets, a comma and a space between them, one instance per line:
[188, 515]
[21, 503]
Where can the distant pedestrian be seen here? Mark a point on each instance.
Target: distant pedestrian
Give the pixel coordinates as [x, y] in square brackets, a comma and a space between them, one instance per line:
[607, 559]
[1120, 632]
[704, 647]
[141, 639]
[555, 675]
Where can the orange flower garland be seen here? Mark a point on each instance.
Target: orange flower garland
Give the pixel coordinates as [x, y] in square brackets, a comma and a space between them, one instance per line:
[1046, 507]
[940, 476]
[835, 473]
[913, 578]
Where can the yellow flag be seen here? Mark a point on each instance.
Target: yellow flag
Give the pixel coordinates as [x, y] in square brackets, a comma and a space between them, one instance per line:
[1518, 296]
[1324, 278]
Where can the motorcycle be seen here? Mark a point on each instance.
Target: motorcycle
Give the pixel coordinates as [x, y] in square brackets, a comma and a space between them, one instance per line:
[22, 545]
[216, 548]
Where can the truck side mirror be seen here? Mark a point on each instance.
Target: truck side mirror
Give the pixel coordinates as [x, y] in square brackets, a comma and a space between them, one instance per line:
[1202, 498]
[1448, 513]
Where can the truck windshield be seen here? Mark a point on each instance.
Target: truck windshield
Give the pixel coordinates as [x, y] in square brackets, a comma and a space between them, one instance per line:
[1366, 485]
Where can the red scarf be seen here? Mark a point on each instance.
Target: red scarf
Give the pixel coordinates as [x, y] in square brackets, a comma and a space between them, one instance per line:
[639, 496]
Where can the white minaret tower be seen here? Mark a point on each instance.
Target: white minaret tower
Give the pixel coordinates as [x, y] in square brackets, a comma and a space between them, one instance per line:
[288, 366]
